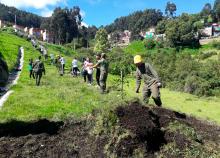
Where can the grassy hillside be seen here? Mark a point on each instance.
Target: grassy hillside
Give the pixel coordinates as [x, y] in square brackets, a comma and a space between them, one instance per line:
[56, 98]
[62, 97]
[137, 47]
[9, 45]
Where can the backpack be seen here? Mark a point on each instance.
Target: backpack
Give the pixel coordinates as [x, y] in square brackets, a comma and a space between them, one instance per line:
[38, 67]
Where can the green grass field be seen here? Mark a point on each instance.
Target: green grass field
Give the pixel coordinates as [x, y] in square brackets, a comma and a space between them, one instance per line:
[64, 97]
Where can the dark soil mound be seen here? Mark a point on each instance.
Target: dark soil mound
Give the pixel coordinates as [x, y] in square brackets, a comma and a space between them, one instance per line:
[144, 124]
[130, 131]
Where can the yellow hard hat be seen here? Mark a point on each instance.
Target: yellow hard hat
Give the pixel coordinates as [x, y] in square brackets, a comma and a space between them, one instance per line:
[137, 59]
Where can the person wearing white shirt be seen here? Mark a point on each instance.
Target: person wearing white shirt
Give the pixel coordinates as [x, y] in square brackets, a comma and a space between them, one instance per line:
[62, 62]
[75, 69]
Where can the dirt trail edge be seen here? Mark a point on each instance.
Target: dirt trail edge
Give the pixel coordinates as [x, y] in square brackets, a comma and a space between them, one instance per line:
[130, 130]
[13, 78]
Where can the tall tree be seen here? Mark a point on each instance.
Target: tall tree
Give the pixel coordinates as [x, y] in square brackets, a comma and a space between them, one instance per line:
[23, 18]
[207, 9]
[170, 9]
[216, 9]
[101, 40]
[182, 31]
[64, 24]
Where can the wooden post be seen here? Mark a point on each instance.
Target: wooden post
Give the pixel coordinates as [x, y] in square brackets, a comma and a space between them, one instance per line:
[122, 84]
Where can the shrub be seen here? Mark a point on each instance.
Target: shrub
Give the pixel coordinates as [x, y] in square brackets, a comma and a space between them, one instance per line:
[207, 55]
[216, 44]
[119, 60]
[149, 43]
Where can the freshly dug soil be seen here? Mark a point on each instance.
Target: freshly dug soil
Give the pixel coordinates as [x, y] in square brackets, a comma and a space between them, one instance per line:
[73, 138]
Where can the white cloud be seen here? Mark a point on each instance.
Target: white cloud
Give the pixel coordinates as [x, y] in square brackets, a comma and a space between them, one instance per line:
[82, 13]
[46, 12]
[38, 4]
[84, 24]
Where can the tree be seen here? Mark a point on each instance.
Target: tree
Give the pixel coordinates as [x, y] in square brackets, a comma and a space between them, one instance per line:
[101, 40]
[23, 18]
[182, 31]
[170, 9]
[161, 27]
[217, 12]
[136, 22]
[207, 9]
[64, 24]
[207, 13]
[92, 32]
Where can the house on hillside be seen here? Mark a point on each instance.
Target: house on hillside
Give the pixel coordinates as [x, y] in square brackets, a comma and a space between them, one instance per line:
[47, 36]
[18, 28]
[211, 31]
[0, 23]
[120, 38]
[36, 32]
[216, 29]
[148, 34]
[206, 32]
[125, 37]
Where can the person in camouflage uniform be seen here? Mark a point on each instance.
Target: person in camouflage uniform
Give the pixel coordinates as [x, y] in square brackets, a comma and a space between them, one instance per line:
[38, 69]
[98, 57]
[152, 83]
[103, 64]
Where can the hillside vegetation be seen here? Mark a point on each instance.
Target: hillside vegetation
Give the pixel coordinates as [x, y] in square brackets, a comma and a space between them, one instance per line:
[63, 97]
[66, 117]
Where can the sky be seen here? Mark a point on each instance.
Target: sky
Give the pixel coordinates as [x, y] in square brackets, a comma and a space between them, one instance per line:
[104, 12]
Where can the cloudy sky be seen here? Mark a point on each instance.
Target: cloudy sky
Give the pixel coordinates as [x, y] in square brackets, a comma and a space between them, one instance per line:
[103, 12]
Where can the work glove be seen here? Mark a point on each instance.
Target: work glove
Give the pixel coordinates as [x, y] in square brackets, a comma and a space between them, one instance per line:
[159, 84]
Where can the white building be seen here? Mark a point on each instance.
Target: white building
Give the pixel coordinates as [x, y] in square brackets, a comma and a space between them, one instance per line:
[0, 24]
[125, 37]
[207, 32]
[31, 31]
[26, 29]
[148, 34]
[45, 36]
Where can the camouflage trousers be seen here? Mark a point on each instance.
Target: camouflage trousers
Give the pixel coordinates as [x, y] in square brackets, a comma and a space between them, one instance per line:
[38, 78]
[153, 91]
[103, 79]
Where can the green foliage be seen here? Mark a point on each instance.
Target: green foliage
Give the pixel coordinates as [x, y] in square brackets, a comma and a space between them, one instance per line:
[149, 43]
[23, 18]
[136, 22]
[170, 9]
[206, 55]
[216, 9]
[64, 24]
[182, 31]
[216, 44]
[135, 47]
[161, 27]
[101, 39]
[9, 46]
[83, 53]
[120, 61]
